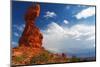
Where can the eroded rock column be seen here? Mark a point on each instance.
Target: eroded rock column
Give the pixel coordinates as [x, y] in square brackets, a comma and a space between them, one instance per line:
[31, 35]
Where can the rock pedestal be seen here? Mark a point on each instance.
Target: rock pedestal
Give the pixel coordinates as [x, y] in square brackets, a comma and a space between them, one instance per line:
[31, 35]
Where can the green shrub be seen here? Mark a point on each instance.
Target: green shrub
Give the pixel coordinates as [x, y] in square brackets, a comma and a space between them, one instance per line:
[43, 57]
[20, 58]
[74, 59]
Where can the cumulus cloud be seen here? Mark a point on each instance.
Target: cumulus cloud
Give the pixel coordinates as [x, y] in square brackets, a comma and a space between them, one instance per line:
[63, 39]
[91, 38]
[14, 44]
[86, 13]
[50, 14]
[16, 34]
[66, 21]
[19, 27]
[17, 31]
[67, 7]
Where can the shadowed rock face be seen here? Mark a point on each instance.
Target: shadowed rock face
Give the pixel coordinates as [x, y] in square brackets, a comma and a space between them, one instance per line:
[31, 35]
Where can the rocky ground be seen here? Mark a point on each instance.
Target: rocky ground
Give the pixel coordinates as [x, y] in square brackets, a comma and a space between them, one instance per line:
[28, 55]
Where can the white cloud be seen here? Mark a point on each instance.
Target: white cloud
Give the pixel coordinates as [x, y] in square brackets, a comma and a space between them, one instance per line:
[14, 44]
[91, 38]
[67, 7]
[81, 6]
[16, 34]
[66, 21]
[19, 27]
[50, 14]
[63, 39]
[86, 13]
[55, 28]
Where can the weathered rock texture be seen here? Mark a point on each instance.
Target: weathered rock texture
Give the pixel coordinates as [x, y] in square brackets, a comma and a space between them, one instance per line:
[31, 35]
[30, 50]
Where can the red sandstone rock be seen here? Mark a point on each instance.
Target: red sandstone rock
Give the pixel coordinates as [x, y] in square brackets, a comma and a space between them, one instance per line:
[31, 35]
[32, 38]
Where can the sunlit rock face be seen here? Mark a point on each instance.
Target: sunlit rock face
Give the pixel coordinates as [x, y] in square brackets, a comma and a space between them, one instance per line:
[30, 50]
[31, 35]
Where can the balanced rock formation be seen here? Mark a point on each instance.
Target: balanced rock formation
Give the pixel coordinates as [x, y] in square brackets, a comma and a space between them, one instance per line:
[31, 35]
[30, 50]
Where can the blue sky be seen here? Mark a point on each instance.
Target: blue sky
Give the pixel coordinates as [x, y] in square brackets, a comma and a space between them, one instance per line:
[65, 27]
